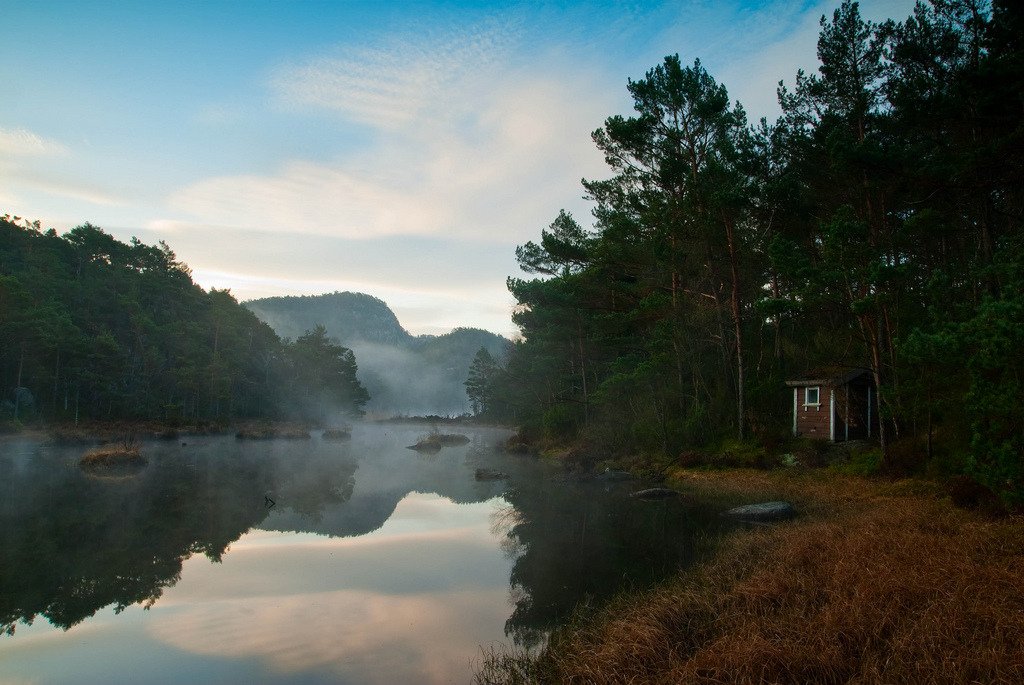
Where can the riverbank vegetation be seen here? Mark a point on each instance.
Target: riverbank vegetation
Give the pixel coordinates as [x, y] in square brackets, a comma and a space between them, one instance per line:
[125, 452]
[273, 432]
[96, 330]
[435, 441]
[877, 581]
[876, 224]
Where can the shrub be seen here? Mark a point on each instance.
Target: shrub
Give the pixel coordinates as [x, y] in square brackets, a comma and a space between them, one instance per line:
[736, 454]
[862, 463]
[559, 422]
[967, 493]
[812, 453]
[907, 456]
[690, 458]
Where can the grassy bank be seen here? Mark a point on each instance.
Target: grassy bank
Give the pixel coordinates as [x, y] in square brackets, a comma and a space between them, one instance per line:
[876, 582]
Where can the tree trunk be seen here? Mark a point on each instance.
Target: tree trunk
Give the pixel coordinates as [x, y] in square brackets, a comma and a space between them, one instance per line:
[56, 383]
[776, 321]
[876, 372]
[737, 327]
[583, 373]
[17, 385]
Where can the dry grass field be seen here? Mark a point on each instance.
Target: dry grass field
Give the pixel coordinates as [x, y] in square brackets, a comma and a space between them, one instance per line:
[876, 582]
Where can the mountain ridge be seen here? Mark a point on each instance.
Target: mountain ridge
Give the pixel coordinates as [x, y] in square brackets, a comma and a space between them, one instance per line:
[404, 373]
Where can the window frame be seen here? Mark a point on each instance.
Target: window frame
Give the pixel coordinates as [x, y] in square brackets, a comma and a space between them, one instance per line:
[807, 396]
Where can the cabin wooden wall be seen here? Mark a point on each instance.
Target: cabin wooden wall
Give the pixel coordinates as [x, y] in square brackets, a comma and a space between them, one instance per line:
[812, 422]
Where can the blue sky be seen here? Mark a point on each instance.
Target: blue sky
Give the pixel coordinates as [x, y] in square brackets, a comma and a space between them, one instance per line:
[401, 149]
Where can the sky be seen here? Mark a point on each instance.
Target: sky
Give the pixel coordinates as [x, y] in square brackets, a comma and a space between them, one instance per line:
[400, 149]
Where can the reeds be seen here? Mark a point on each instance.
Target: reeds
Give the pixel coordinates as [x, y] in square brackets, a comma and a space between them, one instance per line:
[506, 667]
[877, 584]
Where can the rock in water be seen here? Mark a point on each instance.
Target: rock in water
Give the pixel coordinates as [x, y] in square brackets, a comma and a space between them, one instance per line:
[422, 446]
[489, 474]
[610, 476]
[655, 493]
[765, 511]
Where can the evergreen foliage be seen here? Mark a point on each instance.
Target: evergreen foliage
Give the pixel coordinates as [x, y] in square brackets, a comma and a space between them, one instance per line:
[876, 223]
[95, 329]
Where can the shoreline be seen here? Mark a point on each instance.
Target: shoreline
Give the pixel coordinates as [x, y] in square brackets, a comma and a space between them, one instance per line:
[874, 581]
[98, 432]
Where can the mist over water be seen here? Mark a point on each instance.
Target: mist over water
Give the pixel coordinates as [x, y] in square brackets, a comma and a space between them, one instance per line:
[405, 375]
[308, 561]
[401, 383]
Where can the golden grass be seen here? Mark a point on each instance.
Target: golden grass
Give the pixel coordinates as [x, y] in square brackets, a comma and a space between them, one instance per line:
[450, 439]
[112, 455]
[876, 583]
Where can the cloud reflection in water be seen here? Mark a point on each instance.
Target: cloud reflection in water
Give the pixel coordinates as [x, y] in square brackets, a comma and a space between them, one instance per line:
[407, 603]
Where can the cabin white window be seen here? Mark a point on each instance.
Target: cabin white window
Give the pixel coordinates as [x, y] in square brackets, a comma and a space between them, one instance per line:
[812, 396]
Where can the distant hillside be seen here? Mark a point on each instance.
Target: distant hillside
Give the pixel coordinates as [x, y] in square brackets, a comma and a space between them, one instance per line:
[346, 316]
[404, 374]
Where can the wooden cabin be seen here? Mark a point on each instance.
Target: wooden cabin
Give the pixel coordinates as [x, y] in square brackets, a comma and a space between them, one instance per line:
[835, 405]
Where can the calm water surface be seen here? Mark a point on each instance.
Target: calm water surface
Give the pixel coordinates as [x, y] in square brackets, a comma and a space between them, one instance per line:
[376, 564]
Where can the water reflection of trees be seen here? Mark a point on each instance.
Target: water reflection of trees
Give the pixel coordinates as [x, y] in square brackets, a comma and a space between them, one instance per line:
[503, 521]
[72, 543]
[576, 543]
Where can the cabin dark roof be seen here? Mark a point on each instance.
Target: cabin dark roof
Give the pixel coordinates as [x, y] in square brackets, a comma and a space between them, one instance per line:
[828, 376]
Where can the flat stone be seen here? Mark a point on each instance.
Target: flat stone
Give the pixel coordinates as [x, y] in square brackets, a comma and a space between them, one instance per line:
[764, 511]
[655, 493]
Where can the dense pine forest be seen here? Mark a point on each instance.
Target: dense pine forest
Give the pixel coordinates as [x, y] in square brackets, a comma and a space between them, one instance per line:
[95, 329]
[875, 224]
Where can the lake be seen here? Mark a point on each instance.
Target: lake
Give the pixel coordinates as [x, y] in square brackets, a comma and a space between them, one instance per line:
[309, 561]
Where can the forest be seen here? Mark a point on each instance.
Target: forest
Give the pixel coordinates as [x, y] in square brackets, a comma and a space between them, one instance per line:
[93, 329]
[876, 224]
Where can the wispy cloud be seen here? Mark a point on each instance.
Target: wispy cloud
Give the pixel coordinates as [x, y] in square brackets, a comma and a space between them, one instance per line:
[402, 79]
[21, 142]
[472, 137]
[27, 167]
[74, 191]
[306, 198]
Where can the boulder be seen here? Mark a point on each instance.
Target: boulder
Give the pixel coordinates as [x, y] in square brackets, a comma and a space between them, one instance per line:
[655, 493]
[764, 511]
[489, 474]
